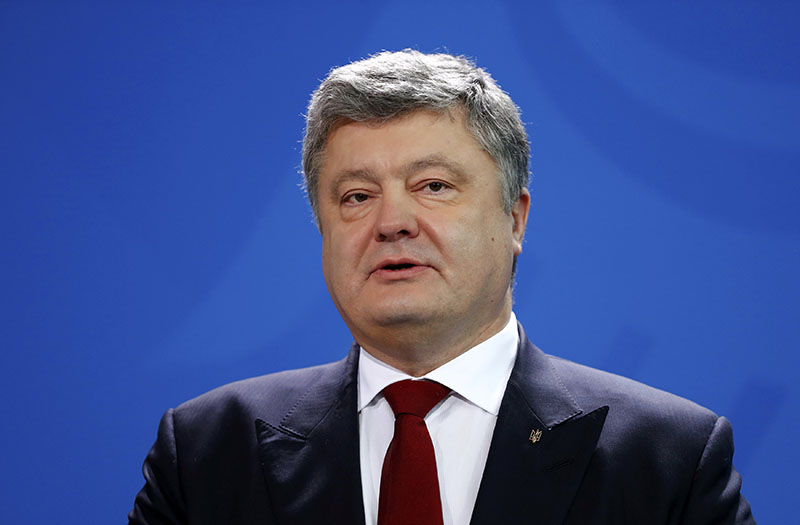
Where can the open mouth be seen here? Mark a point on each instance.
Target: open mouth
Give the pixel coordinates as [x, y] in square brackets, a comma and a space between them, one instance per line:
[399, 269]
[396, 267]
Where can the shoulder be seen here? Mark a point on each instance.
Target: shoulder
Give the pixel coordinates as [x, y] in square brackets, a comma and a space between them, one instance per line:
[631, 401]
[269, 397]
[656, 443]
[591, 383]
[645, 427]
[206, 459]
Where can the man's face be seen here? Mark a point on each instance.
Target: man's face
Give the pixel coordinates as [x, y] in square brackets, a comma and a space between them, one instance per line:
[415, 237]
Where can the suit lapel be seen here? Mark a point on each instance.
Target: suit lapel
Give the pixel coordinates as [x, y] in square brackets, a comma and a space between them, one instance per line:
[541, 446]
[310, 459]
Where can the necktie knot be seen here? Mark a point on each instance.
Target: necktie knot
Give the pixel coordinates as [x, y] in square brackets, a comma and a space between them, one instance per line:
[414, 397]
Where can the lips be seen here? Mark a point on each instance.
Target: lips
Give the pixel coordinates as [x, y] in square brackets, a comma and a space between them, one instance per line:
[394, 269]
[396, 264]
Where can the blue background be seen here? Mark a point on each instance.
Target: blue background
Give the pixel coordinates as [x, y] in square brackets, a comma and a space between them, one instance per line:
[155, 243]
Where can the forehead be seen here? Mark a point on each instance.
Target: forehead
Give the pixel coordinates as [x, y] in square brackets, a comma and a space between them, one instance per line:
[421, 137]
[454, 114]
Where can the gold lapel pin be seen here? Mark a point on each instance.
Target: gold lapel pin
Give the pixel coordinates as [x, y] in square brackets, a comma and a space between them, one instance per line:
[535, 436]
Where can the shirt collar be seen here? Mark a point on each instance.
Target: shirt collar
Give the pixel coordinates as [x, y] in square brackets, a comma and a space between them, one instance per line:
[479, 375]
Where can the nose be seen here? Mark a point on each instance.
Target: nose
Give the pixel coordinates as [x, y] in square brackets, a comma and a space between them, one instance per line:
[396, 218]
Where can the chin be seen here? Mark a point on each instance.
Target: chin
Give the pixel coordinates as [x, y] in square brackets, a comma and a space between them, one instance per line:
[391, 316]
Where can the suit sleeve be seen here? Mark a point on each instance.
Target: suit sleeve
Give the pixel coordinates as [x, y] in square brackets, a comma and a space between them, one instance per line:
[160, 501]
[714, 496]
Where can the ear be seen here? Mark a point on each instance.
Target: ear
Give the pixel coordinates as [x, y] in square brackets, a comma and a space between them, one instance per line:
[519, 214]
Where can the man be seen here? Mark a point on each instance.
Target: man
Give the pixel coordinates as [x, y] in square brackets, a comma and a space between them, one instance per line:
[416, 168]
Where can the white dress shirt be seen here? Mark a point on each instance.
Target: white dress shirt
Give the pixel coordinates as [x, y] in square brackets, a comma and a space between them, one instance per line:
[461, 426]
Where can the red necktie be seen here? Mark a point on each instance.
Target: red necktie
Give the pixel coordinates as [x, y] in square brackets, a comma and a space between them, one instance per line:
[409, 482]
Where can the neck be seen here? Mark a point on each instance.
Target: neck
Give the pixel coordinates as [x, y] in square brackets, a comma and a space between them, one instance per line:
[419, 351]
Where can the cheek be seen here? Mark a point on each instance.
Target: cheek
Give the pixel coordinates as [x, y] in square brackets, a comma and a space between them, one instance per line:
[340, 256]
[488, 241]
[473, 230]
[331, 254]
[460, 244]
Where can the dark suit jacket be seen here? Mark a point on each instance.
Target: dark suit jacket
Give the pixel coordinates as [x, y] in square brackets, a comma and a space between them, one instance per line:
[283, 448]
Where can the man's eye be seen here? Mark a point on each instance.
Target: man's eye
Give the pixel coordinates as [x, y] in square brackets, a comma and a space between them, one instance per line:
[436, 186]
[356, 197]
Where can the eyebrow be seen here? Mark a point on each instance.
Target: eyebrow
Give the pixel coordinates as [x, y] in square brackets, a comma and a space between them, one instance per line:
[437, 160]
[351, 175]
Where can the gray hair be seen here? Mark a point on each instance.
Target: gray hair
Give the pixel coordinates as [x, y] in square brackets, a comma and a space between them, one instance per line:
[390, 84]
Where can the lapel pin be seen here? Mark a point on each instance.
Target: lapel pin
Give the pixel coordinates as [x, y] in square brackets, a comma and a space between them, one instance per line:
[535, 436]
